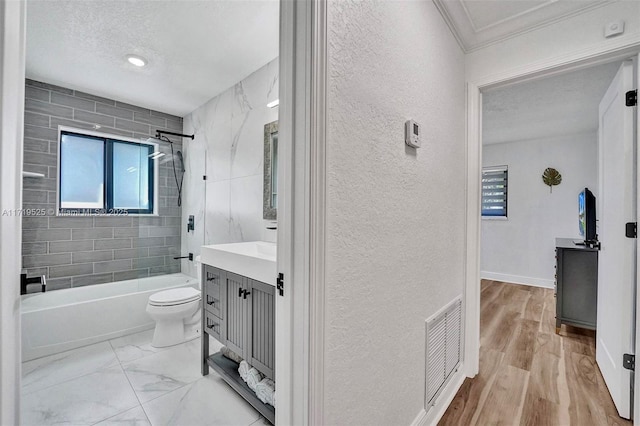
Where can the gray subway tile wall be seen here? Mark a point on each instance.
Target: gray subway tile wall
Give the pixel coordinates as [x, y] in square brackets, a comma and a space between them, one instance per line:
[80, 251]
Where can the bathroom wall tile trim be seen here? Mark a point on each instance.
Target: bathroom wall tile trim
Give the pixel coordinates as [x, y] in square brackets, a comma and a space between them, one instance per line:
[80, 251]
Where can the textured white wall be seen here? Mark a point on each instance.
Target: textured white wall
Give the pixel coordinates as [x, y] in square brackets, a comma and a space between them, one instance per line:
[395, 216]
[521, 249]
[570, 36]
[229, 149]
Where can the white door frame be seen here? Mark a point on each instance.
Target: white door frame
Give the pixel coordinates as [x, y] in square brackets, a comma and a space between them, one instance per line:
[12, 63]
[301, 212]
[617, 49]
[636, 376]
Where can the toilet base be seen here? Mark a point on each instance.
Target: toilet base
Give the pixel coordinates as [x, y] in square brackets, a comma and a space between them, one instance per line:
[171, 333]
[191, 332]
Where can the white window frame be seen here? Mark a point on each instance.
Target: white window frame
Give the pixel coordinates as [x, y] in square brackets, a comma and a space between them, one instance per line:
[155, 145]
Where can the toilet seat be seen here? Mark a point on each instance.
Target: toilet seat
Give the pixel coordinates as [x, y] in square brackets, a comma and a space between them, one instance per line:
[175, 296]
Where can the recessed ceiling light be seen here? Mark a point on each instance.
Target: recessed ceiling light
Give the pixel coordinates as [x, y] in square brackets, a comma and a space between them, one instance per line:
[273, 104]
[138, 61]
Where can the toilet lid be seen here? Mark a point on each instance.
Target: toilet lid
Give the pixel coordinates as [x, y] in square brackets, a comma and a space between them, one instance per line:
[175, 296]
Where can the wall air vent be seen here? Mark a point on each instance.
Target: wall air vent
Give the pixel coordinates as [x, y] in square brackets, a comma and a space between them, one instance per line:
[443, 349]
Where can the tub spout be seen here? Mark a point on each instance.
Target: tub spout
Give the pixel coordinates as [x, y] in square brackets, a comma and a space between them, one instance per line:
[24, 282]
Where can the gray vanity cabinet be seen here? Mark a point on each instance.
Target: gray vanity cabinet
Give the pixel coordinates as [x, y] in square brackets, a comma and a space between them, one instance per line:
[240, 313]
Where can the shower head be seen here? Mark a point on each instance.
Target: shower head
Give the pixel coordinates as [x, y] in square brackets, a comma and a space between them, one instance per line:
[160, 137]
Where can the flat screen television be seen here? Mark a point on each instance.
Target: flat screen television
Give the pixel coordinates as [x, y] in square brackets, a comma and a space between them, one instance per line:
[587, 216]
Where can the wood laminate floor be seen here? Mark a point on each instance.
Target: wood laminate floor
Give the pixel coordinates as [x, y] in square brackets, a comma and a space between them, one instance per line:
[529, 375]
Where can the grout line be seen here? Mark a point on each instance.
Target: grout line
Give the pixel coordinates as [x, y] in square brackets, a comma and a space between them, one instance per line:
[115, 415]
[260, 418]
[74, 377]
[130, 408]
[146, 416]
[130, 385]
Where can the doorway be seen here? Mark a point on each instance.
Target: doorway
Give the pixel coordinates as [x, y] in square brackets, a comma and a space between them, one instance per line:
[475, 97]
[286, 309]
[530, 126]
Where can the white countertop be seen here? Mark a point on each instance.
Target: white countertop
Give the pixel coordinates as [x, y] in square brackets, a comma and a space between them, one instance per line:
[254, 259]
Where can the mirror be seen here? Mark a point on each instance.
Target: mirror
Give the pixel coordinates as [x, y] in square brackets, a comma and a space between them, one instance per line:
[270, 187]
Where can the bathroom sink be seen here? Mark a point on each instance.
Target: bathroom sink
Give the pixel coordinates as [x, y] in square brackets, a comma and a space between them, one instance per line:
[254, 259]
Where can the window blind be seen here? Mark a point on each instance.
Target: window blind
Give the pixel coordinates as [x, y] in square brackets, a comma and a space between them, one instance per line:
[494, 191]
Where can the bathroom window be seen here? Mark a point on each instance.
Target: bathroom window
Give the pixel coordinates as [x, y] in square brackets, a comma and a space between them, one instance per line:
[494, 192]
[101, 174]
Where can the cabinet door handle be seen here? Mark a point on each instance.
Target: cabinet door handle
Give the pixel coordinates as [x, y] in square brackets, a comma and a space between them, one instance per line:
[211, 278]
[210, 301]
[212, 325]
[246, 293]
[240, 290]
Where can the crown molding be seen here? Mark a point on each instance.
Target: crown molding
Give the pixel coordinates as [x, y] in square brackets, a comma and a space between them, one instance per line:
[469, 46]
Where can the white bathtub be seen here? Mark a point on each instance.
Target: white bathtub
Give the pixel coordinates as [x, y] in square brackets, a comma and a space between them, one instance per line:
[60, 320]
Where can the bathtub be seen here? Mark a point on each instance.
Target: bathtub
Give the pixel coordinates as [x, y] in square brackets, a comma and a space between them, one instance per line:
[66, 319]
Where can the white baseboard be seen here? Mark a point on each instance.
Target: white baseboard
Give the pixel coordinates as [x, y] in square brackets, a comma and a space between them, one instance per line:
[435, 413]
[517, 279]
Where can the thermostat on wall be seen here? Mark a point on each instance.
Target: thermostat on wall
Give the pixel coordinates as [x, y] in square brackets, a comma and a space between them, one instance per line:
[412, 133]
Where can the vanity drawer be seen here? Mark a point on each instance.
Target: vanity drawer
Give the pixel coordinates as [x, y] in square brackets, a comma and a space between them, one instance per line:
[212, 274]
[212, 304]
[211, 324]
[211, 285]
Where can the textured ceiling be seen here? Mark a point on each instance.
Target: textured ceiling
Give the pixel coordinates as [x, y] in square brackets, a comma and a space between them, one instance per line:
[559, 105]
[195, 49]
[477, 23]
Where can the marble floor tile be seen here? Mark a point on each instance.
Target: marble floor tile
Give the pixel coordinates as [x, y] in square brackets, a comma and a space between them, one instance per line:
[207, 401]
[54, 369]
[134, 346]
[157, 374]
[81, 401]
[261, 422]
[133, 417]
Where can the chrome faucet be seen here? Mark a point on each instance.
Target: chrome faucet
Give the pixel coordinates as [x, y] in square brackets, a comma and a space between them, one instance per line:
[24, 282]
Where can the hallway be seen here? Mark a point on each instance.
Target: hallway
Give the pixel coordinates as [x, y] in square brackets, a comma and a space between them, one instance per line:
[528, 374]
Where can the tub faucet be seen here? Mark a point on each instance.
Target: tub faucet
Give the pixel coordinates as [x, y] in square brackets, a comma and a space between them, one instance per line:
[24, 282]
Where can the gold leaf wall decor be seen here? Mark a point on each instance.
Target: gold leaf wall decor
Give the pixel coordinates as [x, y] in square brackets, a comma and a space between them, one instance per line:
[551, 177]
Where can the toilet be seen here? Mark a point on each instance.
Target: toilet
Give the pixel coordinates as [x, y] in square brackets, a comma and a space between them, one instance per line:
[176, 313]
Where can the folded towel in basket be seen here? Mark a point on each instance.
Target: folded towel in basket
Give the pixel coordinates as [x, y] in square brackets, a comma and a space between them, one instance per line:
[243, 370]
[253, 378]
[265, 391]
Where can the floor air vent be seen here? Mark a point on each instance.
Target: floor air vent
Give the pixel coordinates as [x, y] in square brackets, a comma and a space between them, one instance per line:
[444, 330]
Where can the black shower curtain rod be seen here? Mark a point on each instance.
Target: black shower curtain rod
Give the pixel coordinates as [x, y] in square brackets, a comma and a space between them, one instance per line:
[165, 132]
